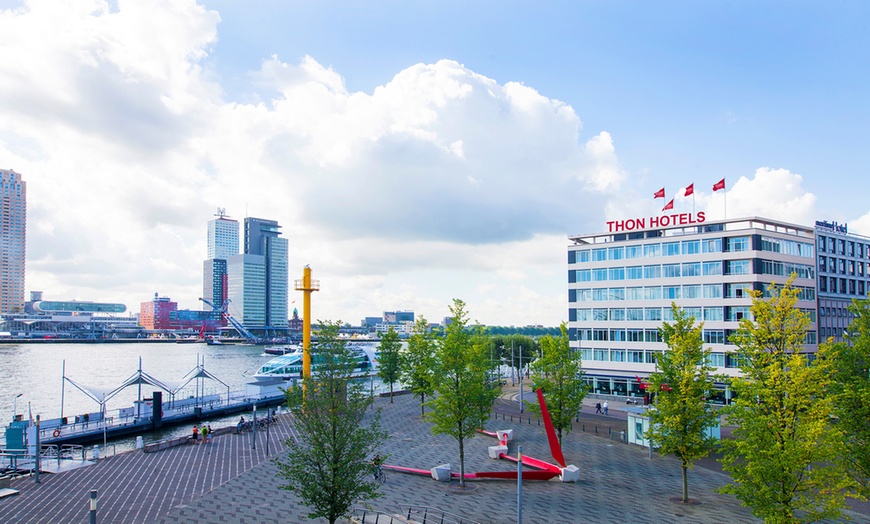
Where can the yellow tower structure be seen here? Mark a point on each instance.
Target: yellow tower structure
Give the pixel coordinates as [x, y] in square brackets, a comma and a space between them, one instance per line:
[306, 285]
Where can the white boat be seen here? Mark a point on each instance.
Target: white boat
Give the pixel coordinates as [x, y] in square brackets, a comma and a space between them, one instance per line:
[289, 366]
[286, 349]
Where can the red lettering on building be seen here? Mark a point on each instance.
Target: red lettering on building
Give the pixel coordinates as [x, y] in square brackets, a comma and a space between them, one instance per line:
[631, 224]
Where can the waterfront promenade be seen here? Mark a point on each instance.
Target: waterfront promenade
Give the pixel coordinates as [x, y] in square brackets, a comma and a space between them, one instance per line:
[227, 481]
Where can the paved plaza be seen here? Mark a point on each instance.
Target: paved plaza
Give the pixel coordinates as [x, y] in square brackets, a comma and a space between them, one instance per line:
[229, 482]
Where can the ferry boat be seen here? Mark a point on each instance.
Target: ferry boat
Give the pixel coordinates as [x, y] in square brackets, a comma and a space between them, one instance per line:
[289, 366]
[286, 349]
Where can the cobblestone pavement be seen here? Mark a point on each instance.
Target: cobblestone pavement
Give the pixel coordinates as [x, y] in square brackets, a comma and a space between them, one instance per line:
[227, 481]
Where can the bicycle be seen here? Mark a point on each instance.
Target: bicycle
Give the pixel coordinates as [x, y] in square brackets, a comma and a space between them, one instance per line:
[379, 474]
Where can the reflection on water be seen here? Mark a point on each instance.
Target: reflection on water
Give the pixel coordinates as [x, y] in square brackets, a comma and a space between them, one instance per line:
[35, 371]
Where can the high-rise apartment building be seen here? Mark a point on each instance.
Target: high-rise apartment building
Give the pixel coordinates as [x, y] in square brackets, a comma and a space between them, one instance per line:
[13, 236]
[223, 242]
[622, 282]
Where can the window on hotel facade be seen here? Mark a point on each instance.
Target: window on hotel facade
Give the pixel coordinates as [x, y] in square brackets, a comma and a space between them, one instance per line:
[600, 294]
[634, 293]
[850, 249]
[671, 292]
[712, 290]
[671, 270]
[712, 268]
[652, 250]
[584, 333]
[599, 315]
[617, 355]
[823, 284]
[633, 251]
[616, 273]
[691, 247]
[584, 315]
[652, 293]
[737, 267]
[694, 312]
[852, 288]
[717, 360]
[616, 253]
[584, 275]
[692, 291]
[584, 256]
[667, 314]
[652, 271]
[841, 246]
[617, 293]
[861, 288]
[852, 267]
[670, 249]
[617, 335]
[599, 275]
[810, 313]
[653, 314]
[634, 272]
[651, 357]
[635, 356]
[634, 314]
[652, 335]
[584, 295]
[711, 245]
[691, 269]
[586, 354]
[822, 243]
[832, 265]
[823, 263]
[733, 244]
[617, 314]
[737, 313]
[634, 335]
[832, 284]
[842, 266]
[599, 255]
[602, 354]
[811, 338]
[713, 314]
[600, 334]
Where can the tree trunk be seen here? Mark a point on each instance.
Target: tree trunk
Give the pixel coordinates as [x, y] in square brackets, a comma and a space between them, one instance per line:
[461, 463]
[422, 404]
[391, 392]
[685, 484]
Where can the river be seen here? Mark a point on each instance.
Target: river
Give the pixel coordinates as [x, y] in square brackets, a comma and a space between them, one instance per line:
[35, 371]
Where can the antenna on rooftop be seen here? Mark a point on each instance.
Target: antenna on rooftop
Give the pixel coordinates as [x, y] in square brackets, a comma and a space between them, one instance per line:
[221, 212]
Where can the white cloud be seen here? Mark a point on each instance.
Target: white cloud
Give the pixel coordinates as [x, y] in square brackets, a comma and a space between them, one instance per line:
[770, 193]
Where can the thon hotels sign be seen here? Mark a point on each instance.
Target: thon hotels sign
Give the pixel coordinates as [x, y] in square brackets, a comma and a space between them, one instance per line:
[832, 226]
[676, 219]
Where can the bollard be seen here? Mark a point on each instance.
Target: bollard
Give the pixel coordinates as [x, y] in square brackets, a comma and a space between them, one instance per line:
[96, 452]
[583, 427]
[139, 443]
[93, 506]
[609, 432]
[596, 430]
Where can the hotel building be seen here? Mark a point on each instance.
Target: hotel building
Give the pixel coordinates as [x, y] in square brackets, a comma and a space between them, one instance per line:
[621, 284]
[13, 236]
[223, 242]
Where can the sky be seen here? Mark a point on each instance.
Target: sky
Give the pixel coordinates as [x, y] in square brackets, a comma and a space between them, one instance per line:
[416, 152]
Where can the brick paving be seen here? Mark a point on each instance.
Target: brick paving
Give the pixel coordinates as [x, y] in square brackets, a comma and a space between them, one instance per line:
[227, 481]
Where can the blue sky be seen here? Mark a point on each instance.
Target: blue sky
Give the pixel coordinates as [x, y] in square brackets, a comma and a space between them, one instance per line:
[415, 151]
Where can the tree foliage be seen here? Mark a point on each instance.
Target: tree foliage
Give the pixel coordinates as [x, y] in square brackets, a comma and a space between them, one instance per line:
[388, 360]
[464, 393]
[559, 375]
[417, 362]
[786, 455]
[850, 363]
[681, 421]
[516, 351]
[327, 465]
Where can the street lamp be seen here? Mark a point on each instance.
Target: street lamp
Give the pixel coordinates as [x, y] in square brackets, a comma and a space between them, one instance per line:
[15, 405]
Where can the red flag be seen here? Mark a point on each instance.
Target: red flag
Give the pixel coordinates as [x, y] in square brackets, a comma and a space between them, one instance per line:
[690, 189]
[669, 205]
[719, 185]
[660, 193]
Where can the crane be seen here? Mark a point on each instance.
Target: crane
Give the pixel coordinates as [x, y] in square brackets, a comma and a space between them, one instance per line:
[225, 312]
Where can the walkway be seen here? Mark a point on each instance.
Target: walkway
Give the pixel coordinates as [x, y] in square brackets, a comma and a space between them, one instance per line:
[227, 481]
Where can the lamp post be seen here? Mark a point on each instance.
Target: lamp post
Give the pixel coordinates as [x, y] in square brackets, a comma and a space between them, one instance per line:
[15, 405]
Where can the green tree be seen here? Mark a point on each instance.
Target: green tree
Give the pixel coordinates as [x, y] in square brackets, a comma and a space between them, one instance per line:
[516, 351]
[388, 360]
[464, 393]
[417, 362]
[327, 464]
[786, 455]
[681, 420]
[559, 375]
[850, 363]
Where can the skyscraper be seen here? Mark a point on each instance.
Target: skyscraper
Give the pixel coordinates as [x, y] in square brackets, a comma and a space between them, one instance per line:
[258, 279]
[13, 236]
[223, 242]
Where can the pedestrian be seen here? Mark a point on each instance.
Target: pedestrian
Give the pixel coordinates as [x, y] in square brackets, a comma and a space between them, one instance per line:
[209, 433]
[598, 407]
[195, 435]
[204, 432]
[605, 407]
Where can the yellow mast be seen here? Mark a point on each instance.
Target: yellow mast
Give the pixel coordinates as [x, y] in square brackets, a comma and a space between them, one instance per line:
[306, 285]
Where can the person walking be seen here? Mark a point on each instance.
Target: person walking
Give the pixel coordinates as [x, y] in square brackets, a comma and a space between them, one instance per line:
[605, 407]
[208, 427]
[204, 432]
[195, 435]
[598, 407]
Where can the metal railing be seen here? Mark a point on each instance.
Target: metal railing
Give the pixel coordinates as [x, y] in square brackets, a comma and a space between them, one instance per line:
[427, 515]
[371, 516]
